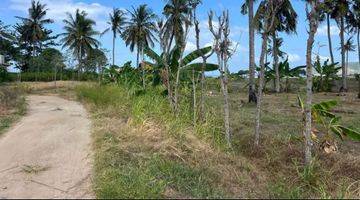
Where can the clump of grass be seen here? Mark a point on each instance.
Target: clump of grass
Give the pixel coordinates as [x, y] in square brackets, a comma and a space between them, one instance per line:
[34, 169]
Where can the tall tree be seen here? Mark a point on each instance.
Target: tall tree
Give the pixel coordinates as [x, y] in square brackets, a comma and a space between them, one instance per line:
[116, 21]
[348, 47]
[340, 12]
[222, 47]
[265, 21]
[354, 21]
[139, 32]
[313, 11]
[328, 7]
[194, 5]
[5, 33]
[178, 15]
[248, 8]
[79, 36]
[96, 61]
[34, 25]
[285, 21]
[204, 59]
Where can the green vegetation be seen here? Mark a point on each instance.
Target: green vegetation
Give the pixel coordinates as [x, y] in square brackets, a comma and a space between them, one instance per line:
[143, 150]
[162, 129]
[12, 105]
[143, 172]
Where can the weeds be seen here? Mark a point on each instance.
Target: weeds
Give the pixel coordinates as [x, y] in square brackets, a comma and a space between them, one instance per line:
[12, 105]
[144, 151]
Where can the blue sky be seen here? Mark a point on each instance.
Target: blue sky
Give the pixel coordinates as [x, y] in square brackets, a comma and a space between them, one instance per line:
[294, 45]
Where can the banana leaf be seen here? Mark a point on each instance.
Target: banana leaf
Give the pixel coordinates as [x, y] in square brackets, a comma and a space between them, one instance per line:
[343, 132]
[198, 67]
[153, 55]
[195, 55]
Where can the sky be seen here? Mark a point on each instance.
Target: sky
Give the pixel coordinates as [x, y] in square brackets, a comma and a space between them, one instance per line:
[294, 45]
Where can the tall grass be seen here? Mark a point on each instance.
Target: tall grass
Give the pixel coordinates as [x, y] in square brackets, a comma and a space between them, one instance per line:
[152, 105]
[129, 167]
[12, 105]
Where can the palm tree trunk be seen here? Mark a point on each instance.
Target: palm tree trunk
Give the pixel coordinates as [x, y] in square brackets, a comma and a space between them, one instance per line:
[143, 68]
[61, 74]
[176, 89]
[34, 54]
[194, 97]
[79, 67]
[342, 43]
[359, 88]
[113, 53]
[202, 93]
[177, 83]
[224, 89]
[347, 62]
[358, 43]
[55, 76]
[260, 89]
[309, 84]
[202, 78]
[276, 64]
[329, 38]
[252, 93]
[99, 76]
[137, 57]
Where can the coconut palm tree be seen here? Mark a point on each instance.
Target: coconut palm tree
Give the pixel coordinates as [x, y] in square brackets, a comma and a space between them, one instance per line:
[264, 21]
[177, 14]
[348, 47]
[34, 25]
[329, 5]
[4, 32]
[116, 22]
[340, 12]
[354, 21]
[285, 21]
[248, 8]
[79, 36]
[139, 32]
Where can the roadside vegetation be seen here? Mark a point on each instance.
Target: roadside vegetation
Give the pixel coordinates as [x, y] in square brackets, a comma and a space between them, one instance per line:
[143, 150]
[164, 129]
[12, 105]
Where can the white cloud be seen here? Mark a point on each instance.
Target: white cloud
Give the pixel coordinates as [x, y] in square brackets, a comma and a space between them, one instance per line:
[293, 57]
[59, 8]
[322, 31]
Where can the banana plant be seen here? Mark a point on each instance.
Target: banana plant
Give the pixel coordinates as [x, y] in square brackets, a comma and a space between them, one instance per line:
[287, 73]
[321, 114]
[284, 72]
[326, 73]
[173, 61]
[174, 57]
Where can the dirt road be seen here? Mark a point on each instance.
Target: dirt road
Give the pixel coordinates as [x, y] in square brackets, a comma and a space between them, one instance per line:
[47, 154]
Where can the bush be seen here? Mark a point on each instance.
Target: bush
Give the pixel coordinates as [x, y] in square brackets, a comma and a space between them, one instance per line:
[49, 76]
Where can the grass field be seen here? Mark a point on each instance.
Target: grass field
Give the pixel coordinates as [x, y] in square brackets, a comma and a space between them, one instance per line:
[142, 150]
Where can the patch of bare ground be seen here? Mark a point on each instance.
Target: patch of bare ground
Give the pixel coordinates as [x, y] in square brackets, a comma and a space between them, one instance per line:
[47, 154]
